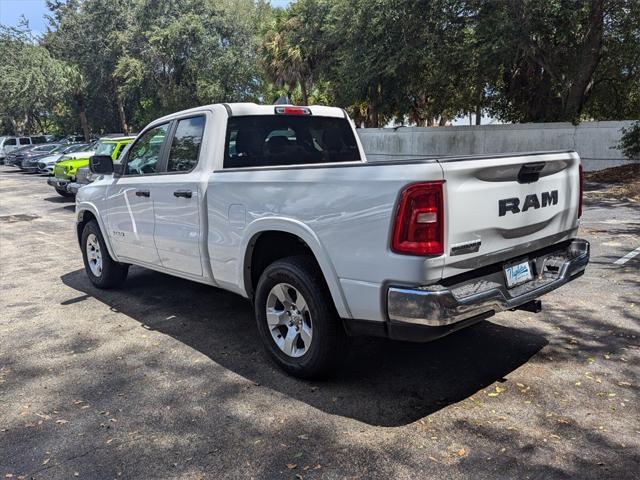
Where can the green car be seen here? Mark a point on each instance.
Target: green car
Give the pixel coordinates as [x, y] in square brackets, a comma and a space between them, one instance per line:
[65, 171]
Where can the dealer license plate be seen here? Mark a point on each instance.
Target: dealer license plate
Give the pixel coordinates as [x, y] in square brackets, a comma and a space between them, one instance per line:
[517, 273]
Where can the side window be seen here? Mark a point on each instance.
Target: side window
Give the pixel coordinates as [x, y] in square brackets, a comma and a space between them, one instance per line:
[144, 153]
[25, 141]
[10, 141]
[185, 147]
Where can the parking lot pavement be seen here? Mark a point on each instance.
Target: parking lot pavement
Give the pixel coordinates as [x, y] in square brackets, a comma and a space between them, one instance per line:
[167, 379]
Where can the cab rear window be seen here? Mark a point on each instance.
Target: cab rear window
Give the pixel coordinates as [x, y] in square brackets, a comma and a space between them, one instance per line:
[273, 140]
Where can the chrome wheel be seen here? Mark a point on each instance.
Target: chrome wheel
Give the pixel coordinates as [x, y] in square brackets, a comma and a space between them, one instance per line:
[289, 320]
[94, 256]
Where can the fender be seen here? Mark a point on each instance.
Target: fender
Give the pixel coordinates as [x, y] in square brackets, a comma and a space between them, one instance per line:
[90, 207]
[295, 227]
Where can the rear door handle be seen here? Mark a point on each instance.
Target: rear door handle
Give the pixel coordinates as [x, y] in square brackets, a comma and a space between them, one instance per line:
[182, 193]
[143, 193]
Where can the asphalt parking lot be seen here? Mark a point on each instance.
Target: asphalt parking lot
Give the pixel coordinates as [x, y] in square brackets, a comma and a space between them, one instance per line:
[167, 379]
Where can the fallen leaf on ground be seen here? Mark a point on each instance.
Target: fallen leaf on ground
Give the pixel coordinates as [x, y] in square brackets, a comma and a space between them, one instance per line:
[291, 466]
[461, 452]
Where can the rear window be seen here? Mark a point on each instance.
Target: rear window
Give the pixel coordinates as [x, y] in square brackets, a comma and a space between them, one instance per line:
[25, 141]
[272, 140]
[39, 139]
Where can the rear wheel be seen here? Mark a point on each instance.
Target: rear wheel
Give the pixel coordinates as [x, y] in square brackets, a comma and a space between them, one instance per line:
[101, 269]
[64, 193]
[297, 320]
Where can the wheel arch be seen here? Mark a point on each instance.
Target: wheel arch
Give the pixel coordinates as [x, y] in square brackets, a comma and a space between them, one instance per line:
[285, 237]
[84, 214]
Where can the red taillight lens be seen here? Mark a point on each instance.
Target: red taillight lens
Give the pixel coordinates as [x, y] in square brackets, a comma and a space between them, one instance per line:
[581, 192]
[419, 225]
[292, 110]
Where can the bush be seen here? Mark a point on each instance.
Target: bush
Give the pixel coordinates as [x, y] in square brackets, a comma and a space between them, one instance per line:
[630, 141]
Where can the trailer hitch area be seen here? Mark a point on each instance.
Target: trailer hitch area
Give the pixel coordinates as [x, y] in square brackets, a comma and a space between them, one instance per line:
[533, 306]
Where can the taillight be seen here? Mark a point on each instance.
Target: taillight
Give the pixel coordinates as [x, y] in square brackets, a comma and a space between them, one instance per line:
[419, 223]
[288, 110]
[581, 192]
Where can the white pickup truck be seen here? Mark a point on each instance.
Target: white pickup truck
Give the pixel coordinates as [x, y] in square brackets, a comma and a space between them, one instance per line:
[278, 204]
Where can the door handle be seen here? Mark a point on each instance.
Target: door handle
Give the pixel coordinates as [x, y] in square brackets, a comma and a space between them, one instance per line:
[143, 193]
[182, 193]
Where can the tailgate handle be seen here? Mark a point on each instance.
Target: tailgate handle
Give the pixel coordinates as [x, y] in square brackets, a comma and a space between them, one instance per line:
[530, 172]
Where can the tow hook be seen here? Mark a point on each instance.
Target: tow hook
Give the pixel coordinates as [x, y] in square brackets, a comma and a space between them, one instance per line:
[533, 306]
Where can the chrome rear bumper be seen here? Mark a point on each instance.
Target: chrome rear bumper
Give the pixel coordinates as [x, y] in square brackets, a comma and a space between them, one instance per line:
[484, 292]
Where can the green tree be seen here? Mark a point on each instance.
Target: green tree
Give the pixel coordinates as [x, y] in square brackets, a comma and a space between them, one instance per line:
[31, 81]
[546, 57]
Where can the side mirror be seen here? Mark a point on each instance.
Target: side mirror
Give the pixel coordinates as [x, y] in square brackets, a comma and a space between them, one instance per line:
[101, 164]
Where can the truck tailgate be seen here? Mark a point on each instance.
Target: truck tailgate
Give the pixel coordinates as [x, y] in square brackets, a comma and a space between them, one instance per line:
[500, 207]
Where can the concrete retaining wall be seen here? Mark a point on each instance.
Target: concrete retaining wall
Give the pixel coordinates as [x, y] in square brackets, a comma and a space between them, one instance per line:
[594, 141]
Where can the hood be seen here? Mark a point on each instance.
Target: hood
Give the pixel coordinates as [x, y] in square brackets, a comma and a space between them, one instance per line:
[80, 155]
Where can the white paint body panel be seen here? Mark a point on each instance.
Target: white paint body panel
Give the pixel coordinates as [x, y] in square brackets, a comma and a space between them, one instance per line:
[344, 213]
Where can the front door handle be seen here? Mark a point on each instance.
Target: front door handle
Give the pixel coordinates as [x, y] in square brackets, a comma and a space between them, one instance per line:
[143, 193]
[182, 193]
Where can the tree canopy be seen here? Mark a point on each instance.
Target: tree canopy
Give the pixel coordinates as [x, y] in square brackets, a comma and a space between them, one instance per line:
[114, 65]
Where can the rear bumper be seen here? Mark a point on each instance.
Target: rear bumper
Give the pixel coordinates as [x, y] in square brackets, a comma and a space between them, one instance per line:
[58, 183]
[73, 187]
[468, 298]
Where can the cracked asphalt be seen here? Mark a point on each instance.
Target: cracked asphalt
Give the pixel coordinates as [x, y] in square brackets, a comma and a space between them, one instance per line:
[167, 379]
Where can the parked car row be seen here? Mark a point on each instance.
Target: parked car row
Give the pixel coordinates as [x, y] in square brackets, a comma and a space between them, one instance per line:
[65, 172]
[66, 162]
[10, 144]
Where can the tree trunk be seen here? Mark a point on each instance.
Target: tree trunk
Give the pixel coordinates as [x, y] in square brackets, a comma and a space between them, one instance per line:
[478, 115]
[83, 116]
[14, 125]
[121, 114]
[303, 90]
[372, 117]
[589, 59]
[85, 125]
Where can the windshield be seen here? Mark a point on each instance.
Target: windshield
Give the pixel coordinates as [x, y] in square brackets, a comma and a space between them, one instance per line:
[45, 148]
[105, 148]
[75, 148]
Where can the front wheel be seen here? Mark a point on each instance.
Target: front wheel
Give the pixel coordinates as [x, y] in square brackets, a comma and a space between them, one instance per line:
[296, 318]
[101, 269]
[64, 193]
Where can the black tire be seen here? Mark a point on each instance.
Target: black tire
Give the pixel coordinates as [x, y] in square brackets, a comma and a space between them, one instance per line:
[113, 273]
[329, 342]
[64, 193]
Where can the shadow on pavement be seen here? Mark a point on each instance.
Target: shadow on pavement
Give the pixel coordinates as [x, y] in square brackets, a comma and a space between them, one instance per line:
[60, 199]
[382, 382]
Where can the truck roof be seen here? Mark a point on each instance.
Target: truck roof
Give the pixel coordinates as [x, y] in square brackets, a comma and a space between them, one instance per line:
[248, 108]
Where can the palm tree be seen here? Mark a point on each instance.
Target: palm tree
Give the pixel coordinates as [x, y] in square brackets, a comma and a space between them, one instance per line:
[284, 62]
[77, 86]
